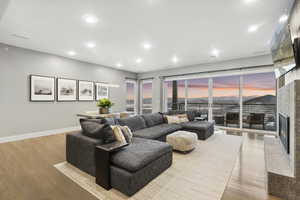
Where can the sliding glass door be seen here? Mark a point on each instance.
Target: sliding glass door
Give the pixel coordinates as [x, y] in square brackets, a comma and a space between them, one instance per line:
[239, 101]
[226, 101]
[198, 96]
[175, 95]
[259, 101]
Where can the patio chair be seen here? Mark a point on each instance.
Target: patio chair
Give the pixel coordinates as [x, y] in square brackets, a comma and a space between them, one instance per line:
[232, 118]
[256, 119]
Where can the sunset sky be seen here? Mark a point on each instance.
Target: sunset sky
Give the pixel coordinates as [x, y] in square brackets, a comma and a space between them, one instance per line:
[254, 85]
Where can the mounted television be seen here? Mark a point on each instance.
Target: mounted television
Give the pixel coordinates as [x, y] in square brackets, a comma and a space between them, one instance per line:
[284, 131]
[283, 51]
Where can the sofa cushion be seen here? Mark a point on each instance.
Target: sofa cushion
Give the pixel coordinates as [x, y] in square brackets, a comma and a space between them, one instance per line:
[197, 125]
[153, 119]
[97, 130]
[139, 154]
[134, 123]
[157, 131]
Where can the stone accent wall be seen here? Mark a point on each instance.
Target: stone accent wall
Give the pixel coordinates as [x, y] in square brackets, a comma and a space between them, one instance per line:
[286, 104]
[289, 105]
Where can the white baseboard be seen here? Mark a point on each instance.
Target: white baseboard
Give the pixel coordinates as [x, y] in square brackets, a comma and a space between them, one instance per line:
[38, 134]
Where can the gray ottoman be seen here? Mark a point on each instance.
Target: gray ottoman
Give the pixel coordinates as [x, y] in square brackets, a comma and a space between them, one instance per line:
[183, 141]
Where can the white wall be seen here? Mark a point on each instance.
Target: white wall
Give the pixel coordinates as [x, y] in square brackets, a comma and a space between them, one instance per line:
[20, 116]
[3, 7]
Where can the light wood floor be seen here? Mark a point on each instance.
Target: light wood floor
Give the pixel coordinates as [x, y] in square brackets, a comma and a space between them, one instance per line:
[27, 172]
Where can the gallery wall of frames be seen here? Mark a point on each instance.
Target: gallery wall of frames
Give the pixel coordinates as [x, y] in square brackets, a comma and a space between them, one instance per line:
[50, 89]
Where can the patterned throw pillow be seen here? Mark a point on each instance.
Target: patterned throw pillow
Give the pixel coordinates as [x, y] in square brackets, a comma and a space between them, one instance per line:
[183, 118]
[127, 133]
[118, 134]
[172, 119]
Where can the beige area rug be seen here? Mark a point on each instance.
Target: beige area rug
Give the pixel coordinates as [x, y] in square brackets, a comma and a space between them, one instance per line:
[200, 175]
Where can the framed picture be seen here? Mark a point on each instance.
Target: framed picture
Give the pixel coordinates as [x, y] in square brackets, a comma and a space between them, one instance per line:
[102, 91]
[86, 91]
[66, 89]
[42, 88]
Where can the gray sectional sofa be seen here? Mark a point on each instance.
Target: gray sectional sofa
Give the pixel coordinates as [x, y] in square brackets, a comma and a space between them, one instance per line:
[155, 127]
[135, 165]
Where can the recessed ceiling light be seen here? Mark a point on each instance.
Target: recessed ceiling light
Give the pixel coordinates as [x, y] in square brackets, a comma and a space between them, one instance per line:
[215, 53]
[147, 45]
[119, 65]
[138, 60]
[252, 28]
[72, 53]
[283, 18]
[90, 19]
[91, 45]
[175, 59]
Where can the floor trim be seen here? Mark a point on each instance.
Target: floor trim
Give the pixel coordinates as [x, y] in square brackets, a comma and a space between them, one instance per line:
[38, 134]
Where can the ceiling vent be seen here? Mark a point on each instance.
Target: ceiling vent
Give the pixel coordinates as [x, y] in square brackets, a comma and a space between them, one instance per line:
[20, 37]
[260, 52]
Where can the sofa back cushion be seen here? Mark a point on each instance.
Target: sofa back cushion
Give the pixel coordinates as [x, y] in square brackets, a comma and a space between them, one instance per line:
[191, 115]
[134, 123]
[94, 129]
[153, 119]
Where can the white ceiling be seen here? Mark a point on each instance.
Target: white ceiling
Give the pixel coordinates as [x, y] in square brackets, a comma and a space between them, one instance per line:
[189, 29]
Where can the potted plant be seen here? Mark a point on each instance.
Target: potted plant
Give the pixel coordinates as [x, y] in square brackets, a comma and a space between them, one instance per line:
[104, 105]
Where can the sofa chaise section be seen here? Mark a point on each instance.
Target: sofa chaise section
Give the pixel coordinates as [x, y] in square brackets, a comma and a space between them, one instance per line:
[131, 168]
[204, 129]
[139, 163]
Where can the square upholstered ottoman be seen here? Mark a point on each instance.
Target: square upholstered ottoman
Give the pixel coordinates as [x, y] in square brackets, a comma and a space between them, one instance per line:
[183, 141]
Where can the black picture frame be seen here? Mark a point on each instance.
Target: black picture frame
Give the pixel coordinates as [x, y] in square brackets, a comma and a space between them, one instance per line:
[81, 97]
[43, 96]
[58, 97]
[97, 97]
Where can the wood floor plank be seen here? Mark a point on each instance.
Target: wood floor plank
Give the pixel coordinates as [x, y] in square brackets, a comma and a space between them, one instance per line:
[27, 172]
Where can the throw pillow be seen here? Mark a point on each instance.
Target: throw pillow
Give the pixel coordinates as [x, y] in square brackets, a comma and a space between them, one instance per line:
[98, 131]
[127, 133]
[183, 118]
[118, 134]
[172, 119]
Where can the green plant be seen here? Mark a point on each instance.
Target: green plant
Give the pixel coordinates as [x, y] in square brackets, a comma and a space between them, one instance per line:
[104, 103]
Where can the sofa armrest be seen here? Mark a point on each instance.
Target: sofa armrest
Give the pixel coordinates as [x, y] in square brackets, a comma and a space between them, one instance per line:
[112, 147]
[80, 151]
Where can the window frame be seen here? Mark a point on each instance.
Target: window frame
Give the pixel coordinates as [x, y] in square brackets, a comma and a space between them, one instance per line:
[144, 81]
[210, 90]
[135, 106]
